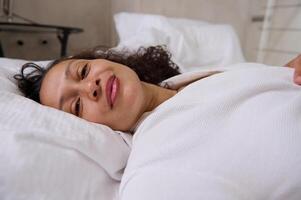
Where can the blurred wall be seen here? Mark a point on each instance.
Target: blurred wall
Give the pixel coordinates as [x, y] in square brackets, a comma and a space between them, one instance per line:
[280, 41]
[91, 15]
[253, 29]
[96, 18]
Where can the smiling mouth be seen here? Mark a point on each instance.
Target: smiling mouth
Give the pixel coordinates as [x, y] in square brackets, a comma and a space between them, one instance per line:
[111, 90]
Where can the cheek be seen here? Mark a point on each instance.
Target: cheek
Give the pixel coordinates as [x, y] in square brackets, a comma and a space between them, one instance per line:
[132, 93]
[133, 105]
[94, 112]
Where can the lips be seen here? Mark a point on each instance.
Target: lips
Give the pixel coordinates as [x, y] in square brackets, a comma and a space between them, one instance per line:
[111, 90]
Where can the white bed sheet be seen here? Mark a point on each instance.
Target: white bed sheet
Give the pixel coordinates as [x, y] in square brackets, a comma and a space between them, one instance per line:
[233, 135]
[49, 154]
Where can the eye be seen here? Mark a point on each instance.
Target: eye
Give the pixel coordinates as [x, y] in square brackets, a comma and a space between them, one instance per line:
[84, 72]
[77, 107]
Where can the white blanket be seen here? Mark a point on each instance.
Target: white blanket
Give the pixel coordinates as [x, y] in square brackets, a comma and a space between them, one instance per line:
[232, 135]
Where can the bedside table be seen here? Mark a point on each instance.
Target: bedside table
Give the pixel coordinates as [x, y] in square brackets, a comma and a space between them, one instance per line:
[62, 32]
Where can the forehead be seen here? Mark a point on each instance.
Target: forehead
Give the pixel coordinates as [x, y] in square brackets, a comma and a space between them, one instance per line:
[53, 83]
[63, 64]
[58, 70]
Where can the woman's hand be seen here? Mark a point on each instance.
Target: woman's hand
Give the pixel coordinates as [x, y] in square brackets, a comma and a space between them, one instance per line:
[296, 64]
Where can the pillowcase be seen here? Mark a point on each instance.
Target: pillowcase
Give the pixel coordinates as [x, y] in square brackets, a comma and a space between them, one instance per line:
[192, 43]
[48, 154]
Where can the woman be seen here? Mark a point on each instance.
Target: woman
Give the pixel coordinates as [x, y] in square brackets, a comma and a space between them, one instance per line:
[233, 135]
[99, 87]
[110, 88]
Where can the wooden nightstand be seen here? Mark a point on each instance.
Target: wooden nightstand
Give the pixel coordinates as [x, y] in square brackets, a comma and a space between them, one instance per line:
[62, 32]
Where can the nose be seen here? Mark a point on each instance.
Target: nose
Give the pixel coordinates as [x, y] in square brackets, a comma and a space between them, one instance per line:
[92, 88]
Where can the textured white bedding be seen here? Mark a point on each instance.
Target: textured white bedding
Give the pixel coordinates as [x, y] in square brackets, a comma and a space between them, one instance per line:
[49, 154]
[233, 135]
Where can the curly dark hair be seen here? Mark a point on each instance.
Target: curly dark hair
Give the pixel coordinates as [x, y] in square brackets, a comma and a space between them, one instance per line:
[152, 64]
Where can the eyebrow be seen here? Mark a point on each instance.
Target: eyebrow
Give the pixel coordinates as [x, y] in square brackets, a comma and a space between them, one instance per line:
[67, 74]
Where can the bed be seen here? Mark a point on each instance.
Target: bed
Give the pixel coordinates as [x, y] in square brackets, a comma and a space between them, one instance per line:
[48, 154]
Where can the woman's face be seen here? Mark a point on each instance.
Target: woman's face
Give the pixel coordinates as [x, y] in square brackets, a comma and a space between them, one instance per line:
[97, 90]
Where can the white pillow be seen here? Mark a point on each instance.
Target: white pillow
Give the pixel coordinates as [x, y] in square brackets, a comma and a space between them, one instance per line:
[192, 43]
[49, 154]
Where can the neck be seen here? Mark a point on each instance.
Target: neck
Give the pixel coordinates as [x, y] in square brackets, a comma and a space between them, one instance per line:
[155, 95]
